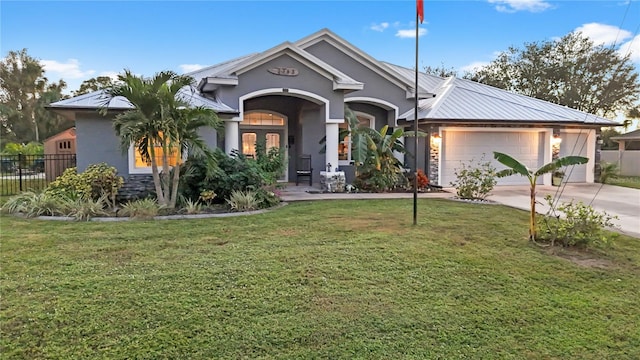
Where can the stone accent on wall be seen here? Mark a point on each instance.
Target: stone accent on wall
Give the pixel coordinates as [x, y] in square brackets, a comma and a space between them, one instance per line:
[434, 153]
[136, 187]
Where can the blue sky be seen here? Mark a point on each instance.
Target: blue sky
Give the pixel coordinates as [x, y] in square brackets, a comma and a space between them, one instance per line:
[78, 40]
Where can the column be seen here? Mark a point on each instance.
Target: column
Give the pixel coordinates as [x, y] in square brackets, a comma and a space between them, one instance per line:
[231, 136]
[331, 155]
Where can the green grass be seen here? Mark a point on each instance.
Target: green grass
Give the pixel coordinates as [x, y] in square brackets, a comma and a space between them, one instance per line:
[12, 186]
[326, 280]
[626, 181]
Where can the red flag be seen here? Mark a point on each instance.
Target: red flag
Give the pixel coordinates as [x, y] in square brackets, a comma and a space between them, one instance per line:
[421, 10]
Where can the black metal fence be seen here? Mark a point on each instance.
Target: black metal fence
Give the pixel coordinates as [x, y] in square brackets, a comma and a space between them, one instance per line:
[31, 172]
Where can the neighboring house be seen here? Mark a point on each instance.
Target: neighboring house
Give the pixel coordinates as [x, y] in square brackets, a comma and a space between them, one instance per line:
[628, 154]
[59, 153]
[294, 94]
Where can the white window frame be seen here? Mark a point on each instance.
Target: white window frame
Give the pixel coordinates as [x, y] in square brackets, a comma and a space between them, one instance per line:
[133, 169]
[372, 125]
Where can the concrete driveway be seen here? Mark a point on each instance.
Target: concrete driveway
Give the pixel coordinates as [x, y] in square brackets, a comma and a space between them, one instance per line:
[615, 200]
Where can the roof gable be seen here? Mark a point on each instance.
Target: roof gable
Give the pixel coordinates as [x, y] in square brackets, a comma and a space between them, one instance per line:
[365, 59]
[341, 81]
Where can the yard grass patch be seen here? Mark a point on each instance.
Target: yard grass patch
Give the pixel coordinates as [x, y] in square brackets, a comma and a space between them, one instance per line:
[326, 279]
[626, 181]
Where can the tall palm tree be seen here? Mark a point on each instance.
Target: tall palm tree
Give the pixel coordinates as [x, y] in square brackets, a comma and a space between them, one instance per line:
[160, 119]
[515, 167]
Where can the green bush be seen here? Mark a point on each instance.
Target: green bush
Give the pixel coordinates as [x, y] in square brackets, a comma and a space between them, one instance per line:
[474, 180]
[577, 225]
[267, 196]
[98, 181]
[271, 162]
[230, 173]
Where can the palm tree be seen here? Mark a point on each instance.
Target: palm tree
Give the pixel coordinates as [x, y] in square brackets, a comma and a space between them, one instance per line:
[160, 122]
[515, 167]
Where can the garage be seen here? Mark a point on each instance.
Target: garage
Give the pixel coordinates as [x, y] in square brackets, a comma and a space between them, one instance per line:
[464, 145]
[575, 143]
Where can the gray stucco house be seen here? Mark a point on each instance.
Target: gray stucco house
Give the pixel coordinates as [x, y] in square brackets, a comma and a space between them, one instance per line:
[294, 94]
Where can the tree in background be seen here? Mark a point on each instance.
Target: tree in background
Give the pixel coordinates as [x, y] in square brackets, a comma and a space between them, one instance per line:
[24, 92]
[441, 71]
[571, 71]
[94, 84]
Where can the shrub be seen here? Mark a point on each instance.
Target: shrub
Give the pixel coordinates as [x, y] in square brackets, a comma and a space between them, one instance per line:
[267, 196]
[474, 180]
[98, 181]
[271, 162]
[33, 204]
[141, 209]
[231, 173]
[85, 209]
[577, 225]
[243, 201]
[192, 207]
[423, 180]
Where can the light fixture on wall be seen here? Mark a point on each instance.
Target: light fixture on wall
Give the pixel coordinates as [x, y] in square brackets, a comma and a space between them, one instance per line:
[436, 140]
[556, 140]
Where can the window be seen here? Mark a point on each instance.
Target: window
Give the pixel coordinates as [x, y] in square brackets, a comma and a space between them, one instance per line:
[262, 119]
[138, 166]
[344, 146]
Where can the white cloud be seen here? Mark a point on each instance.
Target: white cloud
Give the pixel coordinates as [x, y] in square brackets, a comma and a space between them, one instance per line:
[380, 27]
[191, 67]
[631, 47]
[66, 70]
[511, 6]
[603, 34]
[474, 66]
[411, 34]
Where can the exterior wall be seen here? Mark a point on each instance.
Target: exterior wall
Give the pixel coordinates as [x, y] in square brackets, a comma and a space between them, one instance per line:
[308, 80]
[375, 86]
[628, 161]
[96, 142]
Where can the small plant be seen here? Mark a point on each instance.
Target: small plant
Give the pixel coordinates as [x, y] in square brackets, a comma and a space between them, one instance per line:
[608, 171]
[243, 201]
[267, 196]
[423, 180]
[474, 180]
[207, 196]
[578, 225]
[141, 209]
[192, 207]
[85, 209]
[33, 204]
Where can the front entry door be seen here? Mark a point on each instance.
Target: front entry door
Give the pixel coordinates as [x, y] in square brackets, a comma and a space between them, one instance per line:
[271, 137]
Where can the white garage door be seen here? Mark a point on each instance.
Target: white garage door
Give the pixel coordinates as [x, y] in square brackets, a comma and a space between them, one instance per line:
[463, 146]
[574, 144]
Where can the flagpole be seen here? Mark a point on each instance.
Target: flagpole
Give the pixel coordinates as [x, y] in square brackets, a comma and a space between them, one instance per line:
[415, 135]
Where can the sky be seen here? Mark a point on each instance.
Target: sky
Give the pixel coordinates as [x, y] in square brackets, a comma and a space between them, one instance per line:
[79, 40]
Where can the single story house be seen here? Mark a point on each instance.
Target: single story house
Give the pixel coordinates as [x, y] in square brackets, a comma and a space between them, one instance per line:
[294, 94]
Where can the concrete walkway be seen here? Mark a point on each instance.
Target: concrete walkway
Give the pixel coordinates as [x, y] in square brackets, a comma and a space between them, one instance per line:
[615, 200]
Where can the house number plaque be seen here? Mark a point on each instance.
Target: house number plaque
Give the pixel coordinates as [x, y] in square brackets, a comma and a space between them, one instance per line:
[284, 71]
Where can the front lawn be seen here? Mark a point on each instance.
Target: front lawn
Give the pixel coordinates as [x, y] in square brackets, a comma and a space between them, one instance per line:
[626, 181]
[327, 280]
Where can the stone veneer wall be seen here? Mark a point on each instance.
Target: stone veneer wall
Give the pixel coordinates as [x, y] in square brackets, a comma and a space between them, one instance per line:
[136, 187]
[434, 154]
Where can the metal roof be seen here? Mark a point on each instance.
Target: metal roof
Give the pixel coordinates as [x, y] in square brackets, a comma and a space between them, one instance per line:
[98, 99]
[633, 135]
[461, 99]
